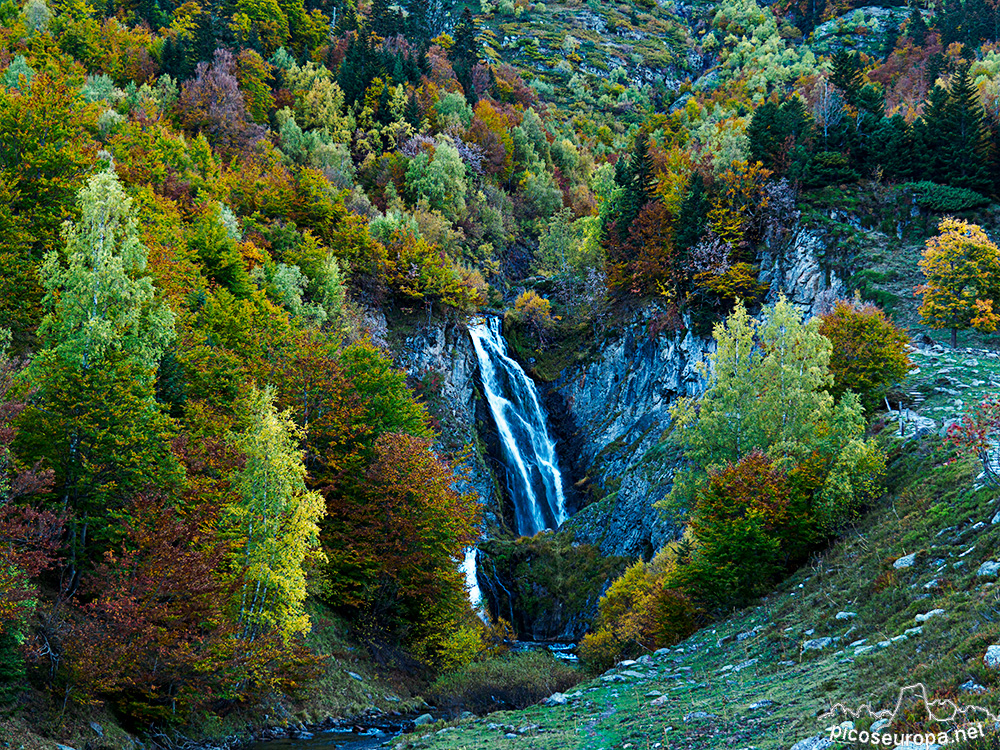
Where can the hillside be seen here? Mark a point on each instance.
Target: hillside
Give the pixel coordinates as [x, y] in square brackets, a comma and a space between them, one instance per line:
[317, 316]
[907, 595]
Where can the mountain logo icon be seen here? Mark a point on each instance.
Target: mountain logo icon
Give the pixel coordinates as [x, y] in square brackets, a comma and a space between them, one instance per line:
[914, 697]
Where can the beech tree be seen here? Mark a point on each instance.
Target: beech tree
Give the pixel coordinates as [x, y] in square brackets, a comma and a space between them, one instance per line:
[869, 350]
[274, 520]
[962, 270]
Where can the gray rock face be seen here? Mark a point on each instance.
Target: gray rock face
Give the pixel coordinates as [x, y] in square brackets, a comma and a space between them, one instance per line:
[617, 409]
[992, 658]
[442, 355]
[793, 268]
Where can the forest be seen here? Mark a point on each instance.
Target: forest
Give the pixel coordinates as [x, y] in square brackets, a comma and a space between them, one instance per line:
[218, 220]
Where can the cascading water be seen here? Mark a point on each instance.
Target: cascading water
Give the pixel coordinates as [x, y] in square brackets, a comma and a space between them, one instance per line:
[532, 468]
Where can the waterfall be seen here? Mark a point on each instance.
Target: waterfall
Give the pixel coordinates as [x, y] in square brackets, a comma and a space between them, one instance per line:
[532, 468]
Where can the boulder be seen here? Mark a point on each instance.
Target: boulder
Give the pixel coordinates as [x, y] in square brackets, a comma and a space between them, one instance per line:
[989, 569]
[817, 644]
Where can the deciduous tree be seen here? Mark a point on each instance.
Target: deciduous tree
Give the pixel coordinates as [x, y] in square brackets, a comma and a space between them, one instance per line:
[962, 270]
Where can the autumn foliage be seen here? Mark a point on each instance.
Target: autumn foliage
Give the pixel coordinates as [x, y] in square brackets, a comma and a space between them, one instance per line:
[869, 350]
[962, 268]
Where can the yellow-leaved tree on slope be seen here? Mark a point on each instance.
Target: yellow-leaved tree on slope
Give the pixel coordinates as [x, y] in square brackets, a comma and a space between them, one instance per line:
[962, 267]
[275, 520]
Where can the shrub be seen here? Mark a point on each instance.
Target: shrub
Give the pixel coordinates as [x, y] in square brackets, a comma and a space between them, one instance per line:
[641, 611]
[869, 350]
[944, 198]
[515, 681]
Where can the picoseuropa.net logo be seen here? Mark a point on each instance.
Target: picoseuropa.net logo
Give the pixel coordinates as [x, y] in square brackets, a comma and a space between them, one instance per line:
[964, 723]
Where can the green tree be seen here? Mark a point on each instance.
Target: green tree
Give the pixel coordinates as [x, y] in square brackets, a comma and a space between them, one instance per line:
[916, 27]
[440, 180]
[99, 304]
[464, 53]
[846, 75]
[274, 522]
[95, 420]
[869, 350]
[962, 270]
[768, 390]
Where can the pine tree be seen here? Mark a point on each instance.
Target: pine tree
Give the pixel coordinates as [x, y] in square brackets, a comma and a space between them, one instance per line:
[965, 154]
[464, 54]
[846, 75]
[638, 184]
[412, 112]
[929, 135]
[916, 27]
[693, 217]
[889, 40]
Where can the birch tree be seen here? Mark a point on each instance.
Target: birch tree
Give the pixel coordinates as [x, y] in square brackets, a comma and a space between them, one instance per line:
[768, 390]
[98, 301]
[274, 520]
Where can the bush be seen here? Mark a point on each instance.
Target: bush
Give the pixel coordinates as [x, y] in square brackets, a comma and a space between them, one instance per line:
[641, 611]
[514, 681]
[869, 351]
[944, 198]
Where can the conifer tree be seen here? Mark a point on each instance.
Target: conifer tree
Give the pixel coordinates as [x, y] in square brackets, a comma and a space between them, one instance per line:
[464, 54]
[693, 217]
[637, 183]
[965, 154]
[846, 75]
[916, 27]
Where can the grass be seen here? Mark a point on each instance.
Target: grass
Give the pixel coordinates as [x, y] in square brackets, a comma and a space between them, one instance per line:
[516, 680]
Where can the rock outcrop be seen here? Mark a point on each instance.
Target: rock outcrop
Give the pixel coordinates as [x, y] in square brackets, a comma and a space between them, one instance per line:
[440, 358]
[612, 412]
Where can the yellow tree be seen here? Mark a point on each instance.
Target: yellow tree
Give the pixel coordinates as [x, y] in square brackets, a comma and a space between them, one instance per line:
[962, 268]
[274, 520]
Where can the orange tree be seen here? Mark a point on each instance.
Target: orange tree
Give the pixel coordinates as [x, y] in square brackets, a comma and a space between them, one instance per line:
[869, 350]
[962, 268]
